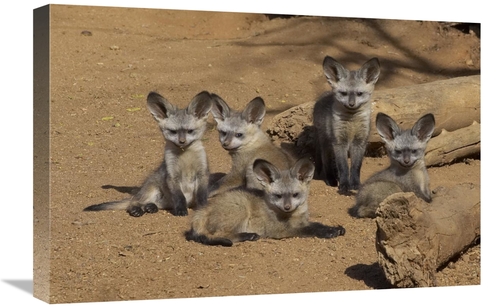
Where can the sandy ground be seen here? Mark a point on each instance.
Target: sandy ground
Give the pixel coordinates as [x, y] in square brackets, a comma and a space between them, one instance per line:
[104, 142]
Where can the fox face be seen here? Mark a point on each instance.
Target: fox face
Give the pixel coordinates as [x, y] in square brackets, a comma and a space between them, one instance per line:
[405, 147]
[351, 88]
[237, 129]
[285, 190]
[181, 126]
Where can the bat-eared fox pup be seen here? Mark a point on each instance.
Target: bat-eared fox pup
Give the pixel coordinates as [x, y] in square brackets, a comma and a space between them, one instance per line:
[341, 118]
[181, 181]
[278, 210]
[407, 171]
[240, 134]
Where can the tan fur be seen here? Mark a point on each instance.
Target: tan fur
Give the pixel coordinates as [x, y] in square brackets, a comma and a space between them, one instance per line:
[278, 210]
[239, 211]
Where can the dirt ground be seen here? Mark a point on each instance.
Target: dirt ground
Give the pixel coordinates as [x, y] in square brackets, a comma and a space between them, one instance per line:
[104, 142]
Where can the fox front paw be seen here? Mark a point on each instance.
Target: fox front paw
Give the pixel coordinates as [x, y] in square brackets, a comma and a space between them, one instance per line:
[150, 208]
[331, 181]
[337, 231]
[246, 236]
[332, 232]
[180, 211]
[344, 188]
[317, 229]
[355, 186]
[135, 211]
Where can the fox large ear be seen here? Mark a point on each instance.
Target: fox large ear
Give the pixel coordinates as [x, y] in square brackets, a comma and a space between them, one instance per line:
[200, 105]
[159, 107]
[220, 109]
[387, 128]
[424, 127]
[303, 170]
[370, 70]
[255, 111]
[334, 71]
[265, 172]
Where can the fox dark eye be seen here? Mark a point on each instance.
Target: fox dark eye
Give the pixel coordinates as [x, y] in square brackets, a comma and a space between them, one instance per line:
[190, 131]
[295, 195]
[238, 135]
[278, 196]
[413, 151]
[343, 93]
[223, 133]
[359, 93]
[172, 131]
[398, 152]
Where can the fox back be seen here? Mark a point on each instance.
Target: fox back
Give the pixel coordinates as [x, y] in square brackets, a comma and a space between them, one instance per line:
[341, 118]
[181, 180]
[241, 135]
[407, 171]
[278, 210]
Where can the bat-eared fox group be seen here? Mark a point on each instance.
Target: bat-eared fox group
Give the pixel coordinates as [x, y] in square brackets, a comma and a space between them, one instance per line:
[265, 193]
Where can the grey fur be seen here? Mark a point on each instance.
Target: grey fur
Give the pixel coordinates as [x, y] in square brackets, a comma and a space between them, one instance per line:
[341, 118]
[407, 171]
[181, 181]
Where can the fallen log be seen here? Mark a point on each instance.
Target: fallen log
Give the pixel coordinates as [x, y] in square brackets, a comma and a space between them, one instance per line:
[415, 239]
[450, 146]
[454, 102]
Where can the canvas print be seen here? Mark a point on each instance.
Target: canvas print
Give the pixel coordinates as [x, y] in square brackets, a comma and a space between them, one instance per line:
[188, 154]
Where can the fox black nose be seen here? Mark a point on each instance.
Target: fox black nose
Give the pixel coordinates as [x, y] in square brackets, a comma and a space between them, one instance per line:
[352, 100]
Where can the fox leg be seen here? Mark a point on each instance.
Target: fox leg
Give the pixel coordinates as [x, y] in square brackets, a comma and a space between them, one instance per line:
[357, 154]
[328, 163]
[342, 167]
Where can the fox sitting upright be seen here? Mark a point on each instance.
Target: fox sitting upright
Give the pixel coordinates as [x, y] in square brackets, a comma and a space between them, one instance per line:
[182, 178]
[407, 171]
[241, 135]
[341, 118]
[278, 210]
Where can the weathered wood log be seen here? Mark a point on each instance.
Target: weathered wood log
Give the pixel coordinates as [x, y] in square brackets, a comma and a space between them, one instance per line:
[454, 102]
[415, 239]
[450, 146]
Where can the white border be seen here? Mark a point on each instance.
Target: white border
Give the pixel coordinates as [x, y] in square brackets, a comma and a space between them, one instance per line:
[16, 149]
